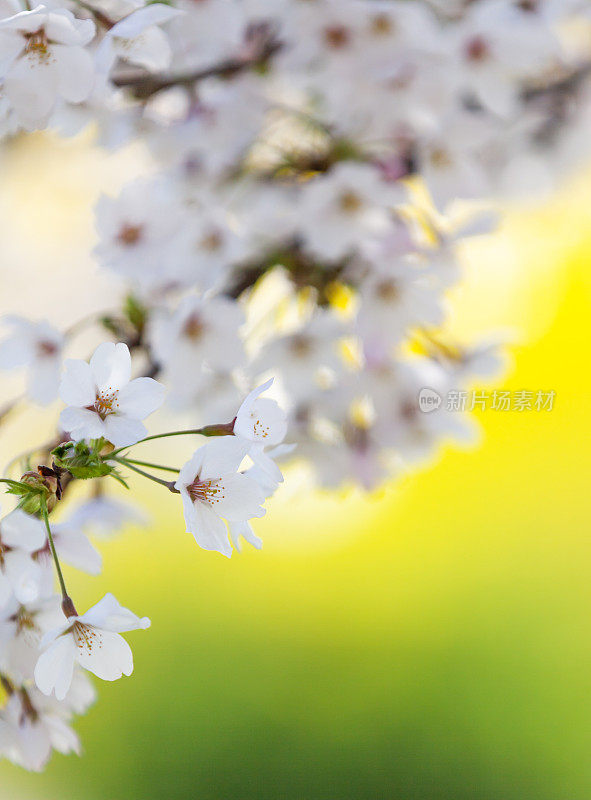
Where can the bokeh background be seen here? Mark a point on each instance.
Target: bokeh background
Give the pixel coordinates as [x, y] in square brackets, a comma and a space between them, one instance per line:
[429, 641]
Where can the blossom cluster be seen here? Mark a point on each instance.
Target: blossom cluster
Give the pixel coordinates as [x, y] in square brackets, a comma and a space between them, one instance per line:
[301, 218]
[46, 646]
[314, 167]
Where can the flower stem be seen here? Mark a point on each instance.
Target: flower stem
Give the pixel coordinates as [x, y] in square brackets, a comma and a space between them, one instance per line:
[169, 484]
[223, 429]
[6, 684]
[67, 604]
[148, 464]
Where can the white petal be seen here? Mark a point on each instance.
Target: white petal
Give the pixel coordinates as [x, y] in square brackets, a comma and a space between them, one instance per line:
[105, 56]
[141, 397]
[250, 398]
[108, 656]
[263, 421]
[34, 744]
[23, 531]
[209, 531]
[75, 69]
[104, 516]
[63, 738]
[244, 529]
[122, 431]
[75, 549]
[82, 423]
[108, 614]
[222, 455]
[82, 693]
[11, 46]
[111, 366]
[238, 497]
[25, 575]
[77, 387]
[5, 590]
[16, 351]
[63, 27]
[44, 380]
[54, 668]
[28, 21]
[150, 49]
[138, 21]
[55, 633]
[191, 521]
[267, 465]
[191, 469]
[31, 87]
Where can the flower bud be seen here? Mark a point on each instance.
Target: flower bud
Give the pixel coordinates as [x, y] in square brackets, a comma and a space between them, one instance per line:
[44, 482]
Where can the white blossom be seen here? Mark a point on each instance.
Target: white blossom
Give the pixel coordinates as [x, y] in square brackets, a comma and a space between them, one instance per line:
[262, 422]
[74, 547]
[38, 347]
[43, 58]
[200, 332]
[22, 626]
[32, 727]
[212, 490]
[20, 537]
[91, 640]
[102, 399]
[344, 206]
[137, 39]
[104, 516]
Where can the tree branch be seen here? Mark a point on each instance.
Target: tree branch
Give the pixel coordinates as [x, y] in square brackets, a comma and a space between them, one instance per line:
[145, 85]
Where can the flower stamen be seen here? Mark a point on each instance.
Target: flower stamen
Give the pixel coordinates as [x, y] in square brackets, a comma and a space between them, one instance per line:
[210, 491]
[86, 637]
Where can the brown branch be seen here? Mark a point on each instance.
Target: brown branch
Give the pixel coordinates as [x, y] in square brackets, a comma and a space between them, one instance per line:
[566, 83]
[144, 85]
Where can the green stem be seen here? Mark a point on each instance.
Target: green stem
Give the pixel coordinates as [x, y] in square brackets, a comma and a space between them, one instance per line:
[224, 429]
[169, 484]
[67, 604]
[148, 464]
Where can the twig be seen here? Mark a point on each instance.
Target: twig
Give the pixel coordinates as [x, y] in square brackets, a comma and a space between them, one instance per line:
[145, 85]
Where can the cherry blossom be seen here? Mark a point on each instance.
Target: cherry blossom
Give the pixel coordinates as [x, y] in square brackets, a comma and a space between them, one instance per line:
[137, 39]
[20, 536]
[22, 627]
[32, 725]
[93, 641]
[38, 347]
[42, 58]
[212, 490]
[103, 401]
[104, 516]
[263, 422]
[30, 732]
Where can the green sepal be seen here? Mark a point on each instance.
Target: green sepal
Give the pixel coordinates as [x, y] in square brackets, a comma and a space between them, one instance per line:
[21, 488]
[133, 310]
[82, 460]
[114, 474]
[30, 494]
